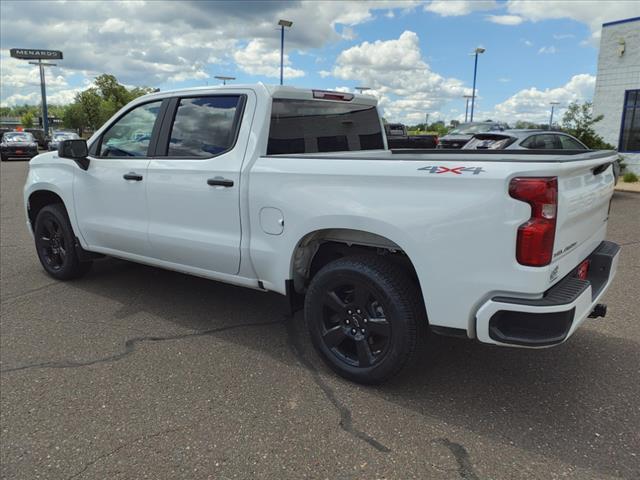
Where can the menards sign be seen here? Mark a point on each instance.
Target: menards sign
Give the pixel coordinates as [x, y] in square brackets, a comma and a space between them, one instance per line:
[29, 54]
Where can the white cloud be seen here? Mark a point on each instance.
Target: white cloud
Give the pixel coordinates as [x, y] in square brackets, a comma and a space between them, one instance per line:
[549, 50]
[504, 80]
[527, 43]
[399, 77]
[532, 104]
[455, 8]
[505, 19]
[257, 59]
[348, 33]
[155, 43]
[591, 13]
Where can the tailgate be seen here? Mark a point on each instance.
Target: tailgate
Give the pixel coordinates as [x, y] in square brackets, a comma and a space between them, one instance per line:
[584, 197]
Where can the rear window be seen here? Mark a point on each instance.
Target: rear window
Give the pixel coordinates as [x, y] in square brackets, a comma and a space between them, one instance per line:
[308, 126]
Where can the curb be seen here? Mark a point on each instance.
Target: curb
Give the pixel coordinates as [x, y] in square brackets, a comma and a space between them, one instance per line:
[631, 188]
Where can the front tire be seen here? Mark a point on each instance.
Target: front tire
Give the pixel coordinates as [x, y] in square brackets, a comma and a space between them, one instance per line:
[363, 314]
[55, 244]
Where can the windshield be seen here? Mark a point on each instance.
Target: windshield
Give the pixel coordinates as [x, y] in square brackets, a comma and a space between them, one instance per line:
[474, 128]
[309, 126]
[18, 137]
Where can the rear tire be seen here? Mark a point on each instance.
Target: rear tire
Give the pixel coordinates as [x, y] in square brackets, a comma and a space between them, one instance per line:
[55, 244]
[364, 314]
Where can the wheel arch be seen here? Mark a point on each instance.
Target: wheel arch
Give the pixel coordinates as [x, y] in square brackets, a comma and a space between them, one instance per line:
[38, 199]
[319, 247]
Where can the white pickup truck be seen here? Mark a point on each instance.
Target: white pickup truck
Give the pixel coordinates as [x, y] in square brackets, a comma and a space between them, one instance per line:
[294, 191]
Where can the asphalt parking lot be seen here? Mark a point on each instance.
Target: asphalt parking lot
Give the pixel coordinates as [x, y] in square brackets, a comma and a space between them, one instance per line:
[135, 372]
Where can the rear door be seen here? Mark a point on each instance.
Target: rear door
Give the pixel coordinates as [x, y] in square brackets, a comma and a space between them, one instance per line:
[193, 187]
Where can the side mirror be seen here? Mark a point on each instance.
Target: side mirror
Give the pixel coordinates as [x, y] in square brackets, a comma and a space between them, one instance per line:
[75, 150]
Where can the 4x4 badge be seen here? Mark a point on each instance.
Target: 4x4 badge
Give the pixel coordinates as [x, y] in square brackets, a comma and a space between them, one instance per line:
[454, 170]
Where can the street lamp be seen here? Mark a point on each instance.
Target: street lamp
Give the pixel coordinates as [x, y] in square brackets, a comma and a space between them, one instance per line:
[283, 23]
[553, 104]
[466, 108]
[477, 51]
[362, 89]
[224, 79]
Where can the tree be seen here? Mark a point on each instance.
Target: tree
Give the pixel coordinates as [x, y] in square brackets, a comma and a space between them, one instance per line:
[27, 120]
[578, 121]
[73, 117]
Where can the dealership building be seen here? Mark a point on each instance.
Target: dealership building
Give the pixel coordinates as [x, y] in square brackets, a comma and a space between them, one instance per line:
[617, 94]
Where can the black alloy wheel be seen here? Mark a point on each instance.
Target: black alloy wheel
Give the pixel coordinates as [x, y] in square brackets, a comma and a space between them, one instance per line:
[51, 244]
[354, 326]
[55, 244]
[363, 314]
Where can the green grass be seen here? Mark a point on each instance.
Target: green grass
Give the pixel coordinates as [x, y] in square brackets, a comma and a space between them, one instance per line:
[630, 177]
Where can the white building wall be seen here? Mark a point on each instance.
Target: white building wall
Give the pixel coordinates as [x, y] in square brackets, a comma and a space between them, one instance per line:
[617, 73]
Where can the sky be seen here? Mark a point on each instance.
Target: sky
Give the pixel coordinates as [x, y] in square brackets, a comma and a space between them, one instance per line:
[416, 56]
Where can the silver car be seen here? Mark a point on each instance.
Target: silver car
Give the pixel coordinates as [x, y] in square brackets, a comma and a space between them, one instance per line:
[58, 136]
[529, 140]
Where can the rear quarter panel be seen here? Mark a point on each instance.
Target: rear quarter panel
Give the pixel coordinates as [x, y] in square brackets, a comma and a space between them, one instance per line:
[458, 229]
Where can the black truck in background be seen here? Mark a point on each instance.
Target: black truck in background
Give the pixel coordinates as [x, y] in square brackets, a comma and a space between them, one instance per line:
[398, 137]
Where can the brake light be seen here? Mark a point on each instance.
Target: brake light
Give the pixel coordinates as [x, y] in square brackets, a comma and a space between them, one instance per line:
[534, 246]
[328, 95]
[437, 140]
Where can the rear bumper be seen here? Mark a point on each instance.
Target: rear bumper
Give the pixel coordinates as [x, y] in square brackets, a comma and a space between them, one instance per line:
[553, 318]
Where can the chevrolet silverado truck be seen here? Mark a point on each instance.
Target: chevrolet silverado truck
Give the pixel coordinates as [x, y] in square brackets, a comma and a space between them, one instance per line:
[295, 192]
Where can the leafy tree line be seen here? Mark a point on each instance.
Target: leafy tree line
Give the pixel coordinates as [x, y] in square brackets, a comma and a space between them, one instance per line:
[90, 108]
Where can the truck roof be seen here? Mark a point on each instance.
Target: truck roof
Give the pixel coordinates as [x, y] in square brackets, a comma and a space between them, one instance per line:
[274, 91]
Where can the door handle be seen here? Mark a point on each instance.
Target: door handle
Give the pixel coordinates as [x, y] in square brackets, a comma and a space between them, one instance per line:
[220, 182]
[132, 176]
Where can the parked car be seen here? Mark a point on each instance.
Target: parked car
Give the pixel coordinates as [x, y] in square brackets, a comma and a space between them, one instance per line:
[398, 137]
[528, 140]
[292, 191]
[39, 135]
[58, 136]
[457, 137]
[18, 145]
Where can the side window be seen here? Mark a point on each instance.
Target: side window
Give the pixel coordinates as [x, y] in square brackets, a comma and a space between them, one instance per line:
[541, 142]
[569, 143]
[204, 126]
[131, 134]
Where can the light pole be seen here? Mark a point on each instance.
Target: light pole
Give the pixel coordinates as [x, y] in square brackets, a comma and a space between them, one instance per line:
[477, 51]
[553, 104]
[362, 89]
[466, 108]
[282, 23]
[224, 79]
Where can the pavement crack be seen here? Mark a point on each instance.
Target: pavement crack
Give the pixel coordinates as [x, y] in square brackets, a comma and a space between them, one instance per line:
[346, 418]
[120, 447]
[10, 298]
[130, 347]
[465, 468]
[630, 243]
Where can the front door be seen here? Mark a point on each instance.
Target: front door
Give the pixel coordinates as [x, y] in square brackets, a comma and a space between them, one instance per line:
[110, 197]
[193, 191]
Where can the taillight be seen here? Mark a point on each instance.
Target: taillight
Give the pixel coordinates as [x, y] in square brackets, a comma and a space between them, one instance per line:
[437, 141]
[534, 246]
